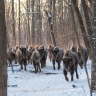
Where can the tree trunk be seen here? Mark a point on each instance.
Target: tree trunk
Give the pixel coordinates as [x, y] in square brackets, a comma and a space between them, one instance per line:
[54, 18]
[28, 24]
[51, 27]
[3, 54]
[85, 37]
[19, 24]
[40, 22]
[77, 37]
[93, 73]
[33, 23]
[13, 24]
[88, 22]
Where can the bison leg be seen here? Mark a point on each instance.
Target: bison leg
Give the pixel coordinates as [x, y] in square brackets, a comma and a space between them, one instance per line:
[12, 67]
[65, 74]
[10, 64]
[39, 67]
[28, 60]
[25, 63]
[58, 65]
[15, 62]
[77, 76]
[72, 75]
[25, 67]
[35, 68]
[81, 64]
[21, 66]
[53, 64]
[42, 63]
[50, 58]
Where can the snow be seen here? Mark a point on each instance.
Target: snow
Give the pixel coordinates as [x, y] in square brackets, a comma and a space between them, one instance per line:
[48, 82]
[49, 15]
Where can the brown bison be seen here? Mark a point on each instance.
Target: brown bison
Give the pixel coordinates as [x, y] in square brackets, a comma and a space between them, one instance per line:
[85, 53]
[30, 50]
[36, 60]
[57, 55]
[21, 56]
[43, 55]
[11, 56]
[49, 48]
[70, 64]
[74, 48]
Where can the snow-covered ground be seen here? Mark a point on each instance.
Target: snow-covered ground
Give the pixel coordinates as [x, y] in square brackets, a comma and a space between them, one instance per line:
[48, 82]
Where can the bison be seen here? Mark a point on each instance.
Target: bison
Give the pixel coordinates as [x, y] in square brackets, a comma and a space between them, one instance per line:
[11, 56]
[36, 60]
[43, 55]
[85, 53]
[70, 64]
[57, 55]
[30, 50]
[49, 48]
[21, 56]
[74, 48]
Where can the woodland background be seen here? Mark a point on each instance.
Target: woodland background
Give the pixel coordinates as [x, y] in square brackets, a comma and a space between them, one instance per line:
[24, 22]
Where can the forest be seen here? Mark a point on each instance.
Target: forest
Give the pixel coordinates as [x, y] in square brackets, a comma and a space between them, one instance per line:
[37, 23]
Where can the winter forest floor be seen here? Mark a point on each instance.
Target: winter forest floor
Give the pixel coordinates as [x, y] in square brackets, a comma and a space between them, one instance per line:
[48, 82]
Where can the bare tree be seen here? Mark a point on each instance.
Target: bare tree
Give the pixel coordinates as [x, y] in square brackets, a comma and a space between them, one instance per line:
[13, 24]
[93, 36]
[51, 27]
[28, 23]
[88, 21]
[82, 27]
[19, 24]
[3, 54]
[33, 23]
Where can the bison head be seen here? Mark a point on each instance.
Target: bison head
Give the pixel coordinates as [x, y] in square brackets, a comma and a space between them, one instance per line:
[12, 53]
[55, 52]
[36, 57]
[24, 51]
[41, 51]
[31, 50]
[74, 49]
[66, 63]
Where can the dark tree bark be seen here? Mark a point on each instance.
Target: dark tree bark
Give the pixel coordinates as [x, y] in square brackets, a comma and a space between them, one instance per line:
[88, 21]
[49, 8]
[19, 24]
[77, 37]
[54, 18]
[28, 23]
[93, 73]
[33, 23]
[82, 27]
[38, 23]
[51, 27]
[3, 54]
[13, 24]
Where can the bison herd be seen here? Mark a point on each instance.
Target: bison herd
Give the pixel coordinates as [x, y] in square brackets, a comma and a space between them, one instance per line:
[24, 55]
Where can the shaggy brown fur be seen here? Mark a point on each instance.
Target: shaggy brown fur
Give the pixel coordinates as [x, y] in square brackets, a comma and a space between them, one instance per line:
[21, 56]
[36, 60]
[43, 55]
[70, 64]
[57, 55]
